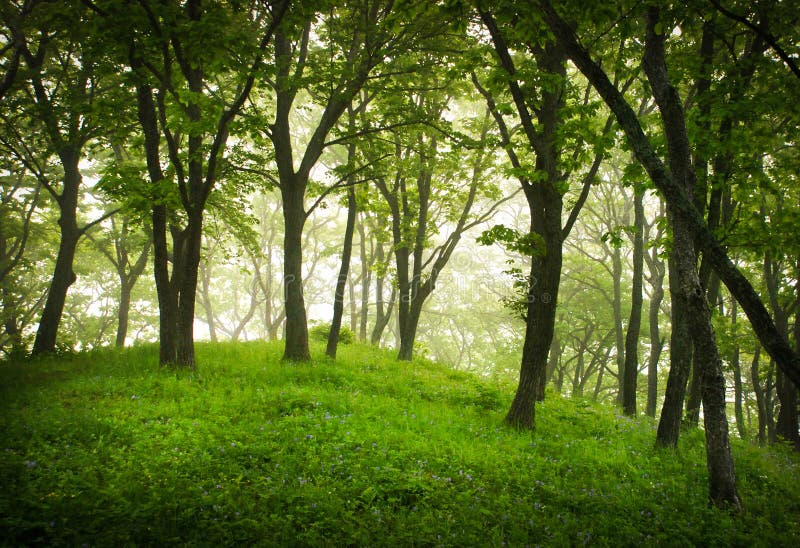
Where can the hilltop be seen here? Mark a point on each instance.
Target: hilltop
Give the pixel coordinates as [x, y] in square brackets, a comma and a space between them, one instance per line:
[106, 448]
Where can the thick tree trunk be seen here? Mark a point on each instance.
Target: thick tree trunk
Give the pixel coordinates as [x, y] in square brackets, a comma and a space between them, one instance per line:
[187, 292]
[545, 204]
[408, 333]
[341, 281]
[541, 312]
[296, 335]
[631, 370]
[167, 296]
[63, 274]
[786, 425]
[719, 461]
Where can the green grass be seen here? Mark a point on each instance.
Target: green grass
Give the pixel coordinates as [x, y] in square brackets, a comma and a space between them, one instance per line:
[106, 449]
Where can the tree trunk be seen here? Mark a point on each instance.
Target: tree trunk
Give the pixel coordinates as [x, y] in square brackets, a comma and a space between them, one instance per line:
[631, 370]
[541, 313]
[341, 281]
[719, 461]
[619, 331]
[737, 376]
[365, 281]
[296, 332]
[680, 358]
[408, 333]
[383, 310]
[786, 425]
[761, 404]
[123, 311]
[205, 294]
[656, 344]
[187, 291]
[63, 274]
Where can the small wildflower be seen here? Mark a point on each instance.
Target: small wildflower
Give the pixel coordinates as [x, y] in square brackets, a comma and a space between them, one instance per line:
[30, 463]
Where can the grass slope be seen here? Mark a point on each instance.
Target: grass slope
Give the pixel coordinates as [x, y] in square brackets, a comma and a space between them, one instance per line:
[106, 448]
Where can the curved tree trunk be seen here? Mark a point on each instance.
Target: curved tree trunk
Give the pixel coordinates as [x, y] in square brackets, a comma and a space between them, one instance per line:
[656, 343]
[341, 281]
[631, 370]
[63, 274]
[680, 358]
[123, 311]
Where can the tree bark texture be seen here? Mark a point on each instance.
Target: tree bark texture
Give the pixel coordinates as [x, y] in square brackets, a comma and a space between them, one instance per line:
[296, 334]
[719, 460]
[341, 280]
[656, 343]
[63, 274]
[631, 370]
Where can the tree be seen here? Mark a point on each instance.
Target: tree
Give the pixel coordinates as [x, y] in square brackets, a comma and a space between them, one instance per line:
[428, 213]
[200, 88]
[687, 226]
[543, 180]
[67, 91]
[630, 372]
[128, 251]
[347, 45]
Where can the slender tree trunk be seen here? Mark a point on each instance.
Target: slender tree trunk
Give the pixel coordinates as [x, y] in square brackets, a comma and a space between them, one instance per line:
[761, 405]
[383, 310]
[208, 308]
[680, 358]
[619, 331]
[11, 323]
[631, 370]
[769, 401]
[63, 274]
[737, 376]
[365, 282]
[123, 311]
[554, 358]
[656, 344]
[353, 316]
[341, 281]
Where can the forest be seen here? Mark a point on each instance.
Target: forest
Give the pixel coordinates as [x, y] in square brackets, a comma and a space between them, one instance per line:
[527, 208]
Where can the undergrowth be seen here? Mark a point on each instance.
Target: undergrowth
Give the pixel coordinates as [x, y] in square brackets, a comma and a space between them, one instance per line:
[106, 448]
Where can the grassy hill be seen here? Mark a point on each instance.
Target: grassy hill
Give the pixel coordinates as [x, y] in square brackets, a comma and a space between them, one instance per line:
[105, 448]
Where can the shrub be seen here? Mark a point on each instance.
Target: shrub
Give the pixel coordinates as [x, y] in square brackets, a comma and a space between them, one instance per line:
[320, 331]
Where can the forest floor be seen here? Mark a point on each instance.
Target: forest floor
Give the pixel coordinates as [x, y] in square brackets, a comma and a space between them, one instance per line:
[106, 448]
